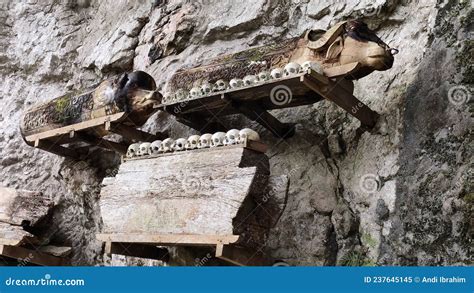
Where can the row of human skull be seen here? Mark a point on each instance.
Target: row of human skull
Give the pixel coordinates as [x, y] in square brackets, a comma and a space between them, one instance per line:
[207, 88]
[206, 140]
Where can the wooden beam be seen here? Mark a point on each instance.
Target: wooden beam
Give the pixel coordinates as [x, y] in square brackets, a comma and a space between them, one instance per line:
[32, 256]
[137, 250]
[100, 142]
[75, 127]
[256, 113]
[256, 146]
[56, 149]
[321, 78]
[136, 134]
[343, 99]
[169, 239]
[242, 256]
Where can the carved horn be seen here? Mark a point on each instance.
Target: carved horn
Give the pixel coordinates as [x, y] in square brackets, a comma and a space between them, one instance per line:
[318, 43]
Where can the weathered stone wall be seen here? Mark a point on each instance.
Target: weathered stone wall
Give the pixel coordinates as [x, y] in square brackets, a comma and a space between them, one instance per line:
[397, 195]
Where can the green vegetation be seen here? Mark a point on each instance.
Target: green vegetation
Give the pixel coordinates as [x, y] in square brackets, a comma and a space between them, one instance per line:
[368, 240]
[357, 259]
[469, 198]
[61, 107]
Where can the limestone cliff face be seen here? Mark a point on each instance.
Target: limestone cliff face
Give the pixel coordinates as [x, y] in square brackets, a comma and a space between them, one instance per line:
[398, 195]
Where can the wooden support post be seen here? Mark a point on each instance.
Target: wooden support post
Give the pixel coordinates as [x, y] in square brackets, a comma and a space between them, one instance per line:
[100, 142]
[242, 256]
[137, 250]
[132, 133]
[256, 113]
[56, 149]
[32, 256]
[343, 99]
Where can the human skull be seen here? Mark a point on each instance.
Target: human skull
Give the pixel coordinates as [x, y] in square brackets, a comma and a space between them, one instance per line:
[217, 139]
[180, 95]
[250, 80]
[145, 149]
[291, 68]
[179, 144]
[264, 76]
[205, 141]
[167, 145]
[133, 150]
[231, 137]
[276, 73]
[221, 85]
[248, 134]
[171, 98]
[195, 92]
[236, 83]
[315, 66]
[192, 142]
[155, 147]
[207, 88]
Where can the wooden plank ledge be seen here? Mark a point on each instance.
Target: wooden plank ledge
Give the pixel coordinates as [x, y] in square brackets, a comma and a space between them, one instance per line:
[66, 130]
[32, 256]
[255, 101]
[169, 239]
[90, 133]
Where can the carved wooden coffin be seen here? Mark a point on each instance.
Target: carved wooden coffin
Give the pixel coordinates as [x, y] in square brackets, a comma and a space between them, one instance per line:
[349, 49]
[218, 191]
[134, 93]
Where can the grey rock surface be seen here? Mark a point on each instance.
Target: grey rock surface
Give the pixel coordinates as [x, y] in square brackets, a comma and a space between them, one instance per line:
[417, 160]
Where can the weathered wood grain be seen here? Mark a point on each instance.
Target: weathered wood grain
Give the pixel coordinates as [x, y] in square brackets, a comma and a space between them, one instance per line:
[21, 207]
[183, 193]
[59, 251]
[14, 235]
[169, 239]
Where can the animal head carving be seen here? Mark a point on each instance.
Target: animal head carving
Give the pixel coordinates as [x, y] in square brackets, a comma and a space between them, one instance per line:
[133, 92]
[127, 92]
[348, 42]
[136, 90]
